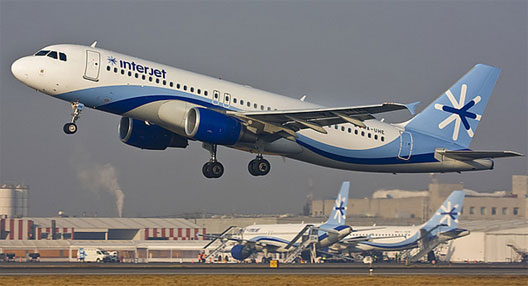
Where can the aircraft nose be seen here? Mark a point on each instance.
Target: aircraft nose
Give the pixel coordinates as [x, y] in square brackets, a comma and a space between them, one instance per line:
[20, 69]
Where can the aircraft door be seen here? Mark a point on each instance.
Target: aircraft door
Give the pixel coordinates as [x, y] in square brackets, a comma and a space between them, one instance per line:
[406, 143]
[91, 71]
[226, 99]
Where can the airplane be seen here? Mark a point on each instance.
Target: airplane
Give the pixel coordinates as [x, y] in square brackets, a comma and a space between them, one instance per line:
[282, 238]
[442, 226]
[165, 107]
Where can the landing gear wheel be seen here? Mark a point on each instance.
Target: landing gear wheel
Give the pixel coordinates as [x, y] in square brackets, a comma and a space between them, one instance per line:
[206, 170]
[217, 169]
[259, 167]
[70, 128]
[263, 167]
[213, 170]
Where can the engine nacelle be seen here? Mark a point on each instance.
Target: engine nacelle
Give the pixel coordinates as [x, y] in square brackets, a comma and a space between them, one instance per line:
[214, 127]
[240, 252]
[152, 137]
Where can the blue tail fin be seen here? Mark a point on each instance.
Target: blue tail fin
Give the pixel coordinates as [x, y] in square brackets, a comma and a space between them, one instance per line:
[454, 115]
[448, 213]
[338, 215]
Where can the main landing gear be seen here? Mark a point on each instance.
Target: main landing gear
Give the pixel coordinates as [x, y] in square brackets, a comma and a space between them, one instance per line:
[71, 127]
[213, 168]
[259, 166]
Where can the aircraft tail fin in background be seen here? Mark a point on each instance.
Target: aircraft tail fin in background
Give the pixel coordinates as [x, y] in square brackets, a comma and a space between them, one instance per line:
[447, 215]
[454, 116]
[338, 215]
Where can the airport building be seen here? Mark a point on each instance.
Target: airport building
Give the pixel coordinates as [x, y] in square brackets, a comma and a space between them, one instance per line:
[414, 207]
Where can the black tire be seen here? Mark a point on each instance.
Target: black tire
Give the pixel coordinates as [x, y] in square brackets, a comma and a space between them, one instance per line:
[263, 167]
[206, 170]
[70, 128]
[216, 170]
[252, 167]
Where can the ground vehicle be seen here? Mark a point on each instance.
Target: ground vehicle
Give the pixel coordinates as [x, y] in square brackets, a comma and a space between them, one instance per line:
[93, 255]
[113, 256]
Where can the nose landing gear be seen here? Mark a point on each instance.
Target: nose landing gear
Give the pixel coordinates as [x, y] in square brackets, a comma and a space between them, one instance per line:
[71, 127]
[213, 168]
[259, 166]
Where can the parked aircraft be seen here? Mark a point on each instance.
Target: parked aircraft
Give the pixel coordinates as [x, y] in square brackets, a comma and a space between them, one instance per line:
[287, 238]
[164, 107]
[442, 226]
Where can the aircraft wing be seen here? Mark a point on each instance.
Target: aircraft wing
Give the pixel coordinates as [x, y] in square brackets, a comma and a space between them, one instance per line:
[474, 155]
[291, 121]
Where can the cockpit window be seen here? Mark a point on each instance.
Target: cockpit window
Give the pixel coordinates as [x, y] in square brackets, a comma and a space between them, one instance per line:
[62, 56]
[42, 53]
[53, 54]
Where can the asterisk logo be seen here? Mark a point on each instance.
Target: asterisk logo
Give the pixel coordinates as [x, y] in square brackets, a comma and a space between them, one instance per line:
[450, 214]
[460, 112]
[340, 208]
[112, 60]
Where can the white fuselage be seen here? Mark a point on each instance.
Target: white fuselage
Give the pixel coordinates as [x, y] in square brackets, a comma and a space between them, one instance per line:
[160, 94]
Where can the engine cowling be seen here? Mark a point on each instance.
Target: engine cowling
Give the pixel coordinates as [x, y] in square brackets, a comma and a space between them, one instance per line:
[148, 136]
[240, 252]
[214, 127]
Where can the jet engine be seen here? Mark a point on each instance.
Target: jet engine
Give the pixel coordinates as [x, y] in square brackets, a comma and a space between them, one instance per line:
[142, 135]
[240, 252]
[214, 127]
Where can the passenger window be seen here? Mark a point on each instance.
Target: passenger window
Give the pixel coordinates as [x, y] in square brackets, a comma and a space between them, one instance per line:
[369, 135]
[136, 75]
[164, 82]
[150, 78]
[248, 104]
[157, 80]
[269, 108]
[184, 87]
[42, 53]
[192, 89]
[382, 138]
[241, 102]
[342, 128]
[349, 130]
[234, 100]
[205, 92]
[143, 77]
[122, 71]
[262, 107]
[115, 70]
[53, 54]
[356, 132]
[255, 105]
[199, 91]
[62, 56]
[375, 137]
[108, 68]
[129, 73]
[171, 84]
[362, 133]
[178, 86]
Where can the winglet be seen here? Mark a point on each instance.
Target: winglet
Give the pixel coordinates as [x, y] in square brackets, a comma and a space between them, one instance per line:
[93, 44]
[412, 107]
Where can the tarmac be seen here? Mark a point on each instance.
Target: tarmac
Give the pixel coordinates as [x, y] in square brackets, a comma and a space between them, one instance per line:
[24, 269]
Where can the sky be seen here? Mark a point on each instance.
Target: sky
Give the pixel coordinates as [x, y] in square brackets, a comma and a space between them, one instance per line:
[338, 53]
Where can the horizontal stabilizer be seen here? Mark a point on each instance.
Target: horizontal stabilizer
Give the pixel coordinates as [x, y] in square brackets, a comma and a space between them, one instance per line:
[474, 155]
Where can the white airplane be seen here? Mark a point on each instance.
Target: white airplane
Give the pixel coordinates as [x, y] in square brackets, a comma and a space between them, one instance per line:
[443, 225]
[283, 238]
[163, 107]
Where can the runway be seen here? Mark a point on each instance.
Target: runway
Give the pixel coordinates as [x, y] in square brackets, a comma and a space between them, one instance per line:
[24, 269]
